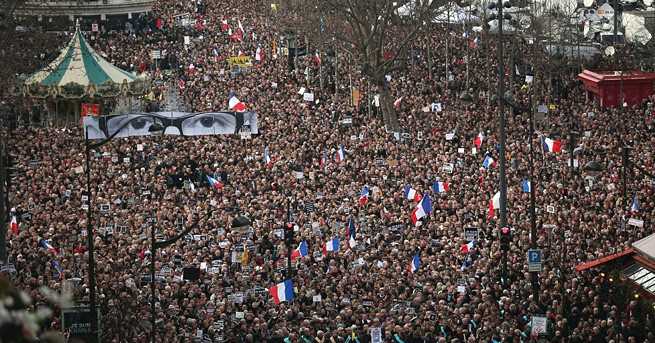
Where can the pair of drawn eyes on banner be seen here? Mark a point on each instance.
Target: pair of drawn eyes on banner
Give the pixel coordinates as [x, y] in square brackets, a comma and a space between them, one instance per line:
[200, 124]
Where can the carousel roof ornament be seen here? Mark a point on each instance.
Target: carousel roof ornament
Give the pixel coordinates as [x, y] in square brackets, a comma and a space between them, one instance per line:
[79, 66]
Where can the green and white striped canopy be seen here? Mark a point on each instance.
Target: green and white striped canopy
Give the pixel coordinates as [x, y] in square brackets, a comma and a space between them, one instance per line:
[78, 63]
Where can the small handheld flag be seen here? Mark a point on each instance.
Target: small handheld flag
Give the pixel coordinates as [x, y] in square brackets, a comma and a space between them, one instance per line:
[14, 223]
[526, 186]
[466, 248]
[551, 145]
[267, 157]
[341, 154]
[283, 291]
[363, 196]
[331, 245]
[214, 183]
[301, 251]
[415, 264]
[423, 209]
[634, 207]
[478, 140]
[488, 161]
[440, 187]
[494, 203]
[411, 194]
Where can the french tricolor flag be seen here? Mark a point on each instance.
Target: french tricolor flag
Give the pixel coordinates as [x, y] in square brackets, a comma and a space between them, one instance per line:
[224, 25]
[14, 222]
[363, 196]
[301, 251]
[45, 244]
[258, 54]
[415, 264]
[283, 291]
[396, 103]
[440, 187]
[267, 157]
[488, 162]
[478, 140]
[235, 104]
[411, 194]
[340, 155]
[324, 159]
[423, 209]
[350, 233]
[494, 203]
[466, 248]
[634, 207]
[214, 183]
[331, 245]
[551, 145]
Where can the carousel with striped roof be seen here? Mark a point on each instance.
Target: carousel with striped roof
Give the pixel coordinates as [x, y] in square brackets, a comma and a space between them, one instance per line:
[79, 76]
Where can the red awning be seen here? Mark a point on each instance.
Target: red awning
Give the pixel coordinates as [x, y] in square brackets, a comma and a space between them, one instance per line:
[597, 262]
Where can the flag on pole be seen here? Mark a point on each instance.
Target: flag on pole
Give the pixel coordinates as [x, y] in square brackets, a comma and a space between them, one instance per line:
[487, 162]
[282, 291]
[423, 209]
[551, 145]
[363, 196]
[415, 264]
[478, 140]
[526, 186]
[267, 157]
[214, 183]
[15, 229]
[301, 251]
[411, 194]
[634, 207]
[340, 155]
[331, 245]
[466, 248]
[440, 187]
[494, 204]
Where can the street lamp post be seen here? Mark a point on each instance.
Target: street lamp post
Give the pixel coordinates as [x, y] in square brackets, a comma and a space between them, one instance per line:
[501, 124]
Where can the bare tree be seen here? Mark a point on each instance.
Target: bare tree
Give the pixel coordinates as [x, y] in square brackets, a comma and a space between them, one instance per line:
[373, 32]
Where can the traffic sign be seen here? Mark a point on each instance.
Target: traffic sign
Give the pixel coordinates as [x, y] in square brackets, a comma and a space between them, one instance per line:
[535, 258]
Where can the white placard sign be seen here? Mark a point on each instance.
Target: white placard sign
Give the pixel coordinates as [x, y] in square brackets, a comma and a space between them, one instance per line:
[636, 222]
[376, 335]
[436, 107]
[308, 97]
[539, 325]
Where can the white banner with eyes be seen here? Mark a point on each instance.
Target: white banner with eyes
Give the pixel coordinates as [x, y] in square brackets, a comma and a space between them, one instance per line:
[172, 123]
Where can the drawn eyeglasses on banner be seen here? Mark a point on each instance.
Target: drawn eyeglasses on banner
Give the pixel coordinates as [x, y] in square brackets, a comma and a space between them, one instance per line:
[173, 123]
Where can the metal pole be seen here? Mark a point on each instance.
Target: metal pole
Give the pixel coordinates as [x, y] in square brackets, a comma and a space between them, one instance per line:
[289, 240]
[533, 216]
[336, 67]
[447, 39]
[153, 331]
[626, 162]
[501, 113]
[89, 242]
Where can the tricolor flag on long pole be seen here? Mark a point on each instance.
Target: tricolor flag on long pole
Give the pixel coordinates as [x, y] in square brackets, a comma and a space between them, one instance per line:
[283, 291]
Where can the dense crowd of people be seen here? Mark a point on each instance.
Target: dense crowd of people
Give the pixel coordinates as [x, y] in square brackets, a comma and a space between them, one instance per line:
[455, 295]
